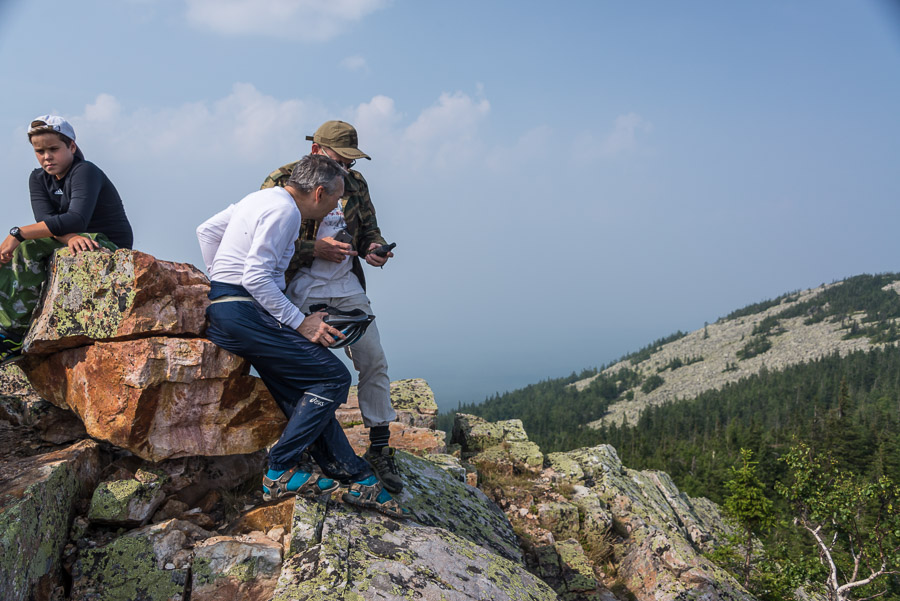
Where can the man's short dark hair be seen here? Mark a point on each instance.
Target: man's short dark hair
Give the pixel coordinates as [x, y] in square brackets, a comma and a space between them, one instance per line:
[316, 170]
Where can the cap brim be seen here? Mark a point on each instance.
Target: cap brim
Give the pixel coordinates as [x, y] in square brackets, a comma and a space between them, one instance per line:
[352, 153]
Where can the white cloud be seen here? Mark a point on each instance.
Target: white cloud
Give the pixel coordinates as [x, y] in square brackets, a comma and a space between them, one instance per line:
[355, 63]
[106, 108]
[243, 125]
[624, 136]
[309, 20]
[378, 124]
[248, 125]
[448, 131]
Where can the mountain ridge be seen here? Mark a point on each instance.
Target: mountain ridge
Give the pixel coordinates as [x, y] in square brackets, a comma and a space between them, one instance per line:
[710, 358]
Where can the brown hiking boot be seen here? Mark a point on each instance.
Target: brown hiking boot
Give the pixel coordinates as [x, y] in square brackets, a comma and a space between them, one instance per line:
[385, 468]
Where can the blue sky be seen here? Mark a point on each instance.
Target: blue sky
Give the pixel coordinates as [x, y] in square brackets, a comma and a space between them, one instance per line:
[565, 182]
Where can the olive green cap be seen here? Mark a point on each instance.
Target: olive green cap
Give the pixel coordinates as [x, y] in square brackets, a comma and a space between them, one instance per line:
[340, 137]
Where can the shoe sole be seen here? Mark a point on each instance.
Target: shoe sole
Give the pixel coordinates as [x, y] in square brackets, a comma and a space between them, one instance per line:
[374, 506]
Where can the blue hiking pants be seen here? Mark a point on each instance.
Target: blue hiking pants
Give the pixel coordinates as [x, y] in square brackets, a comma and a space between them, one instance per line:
[306, 379]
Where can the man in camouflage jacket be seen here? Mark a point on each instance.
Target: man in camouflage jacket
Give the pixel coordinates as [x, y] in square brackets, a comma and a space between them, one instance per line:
[317, 273]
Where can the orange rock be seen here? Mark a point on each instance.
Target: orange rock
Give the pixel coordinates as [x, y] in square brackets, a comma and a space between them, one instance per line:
[161, 398]
[265, 518]
[406, 438]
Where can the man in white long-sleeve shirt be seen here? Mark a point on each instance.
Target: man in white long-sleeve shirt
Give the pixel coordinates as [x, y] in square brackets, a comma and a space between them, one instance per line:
[247, 248]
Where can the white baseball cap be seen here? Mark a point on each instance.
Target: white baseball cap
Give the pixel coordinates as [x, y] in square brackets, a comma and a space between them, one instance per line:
[46, 123]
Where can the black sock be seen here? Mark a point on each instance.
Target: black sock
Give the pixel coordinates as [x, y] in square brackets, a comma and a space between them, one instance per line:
[379, 436]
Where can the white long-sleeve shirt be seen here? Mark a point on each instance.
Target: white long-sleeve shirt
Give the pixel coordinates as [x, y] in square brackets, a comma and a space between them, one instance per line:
[250, 244]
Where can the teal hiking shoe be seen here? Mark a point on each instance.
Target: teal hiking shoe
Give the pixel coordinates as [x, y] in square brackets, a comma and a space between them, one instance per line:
[369, 493]
[293, 482]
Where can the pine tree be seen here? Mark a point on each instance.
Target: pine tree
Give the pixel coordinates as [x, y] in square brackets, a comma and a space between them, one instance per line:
[747, 505]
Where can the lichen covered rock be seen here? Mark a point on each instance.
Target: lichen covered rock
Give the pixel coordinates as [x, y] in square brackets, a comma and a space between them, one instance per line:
[520, 456]
[475, 434]
[245, 567]
[412, 399]
[125, 502]
[436, 498]
[414, 402]
[364, 555]
[139, 565]
[36, 504]
[562, 519]
[565, 567]
[663, 531]
[114, 296]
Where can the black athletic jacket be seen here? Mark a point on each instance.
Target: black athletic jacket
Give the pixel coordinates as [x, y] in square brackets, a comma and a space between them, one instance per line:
[83, 201]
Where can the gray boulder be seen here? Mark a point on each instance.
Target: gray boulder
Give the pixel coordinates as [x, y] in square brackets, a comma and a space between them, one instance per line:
[437, 498]
[37, 498]
[149, 564]
[243, 567]
[349, 554]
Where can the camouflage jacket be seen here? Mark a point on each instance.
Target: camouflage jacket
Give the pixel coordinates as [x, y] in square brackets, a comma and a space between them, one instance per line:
[359, 213]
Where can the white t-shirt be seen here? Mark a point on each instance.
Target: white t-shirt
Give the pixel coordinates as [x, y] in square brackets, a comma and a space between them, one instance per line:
[326, 279]
[250, 244]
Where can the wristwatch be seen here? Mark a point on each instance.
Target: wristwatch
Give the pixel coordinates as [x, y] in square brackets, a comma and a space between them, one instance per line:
[17, 234]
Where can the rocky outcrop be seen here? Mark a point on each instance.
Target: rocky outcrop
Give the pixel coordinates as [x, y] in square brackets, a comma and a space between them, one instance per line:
[501, 444]
[578, 527]
[346, 554]
[584, 512]
[116, 342]
[161, 398]
[115, 296]
[660, 533]
[185, 425]
[38, 496]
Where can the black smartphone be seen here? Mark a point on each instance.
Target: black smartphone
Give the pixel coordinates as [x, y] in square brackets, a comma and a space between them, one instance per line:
[344, 237]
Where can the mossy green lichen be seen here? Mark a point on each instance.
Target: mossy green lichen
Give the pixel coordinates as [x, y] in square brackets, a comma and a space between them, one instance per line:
[92, 293]
[413, 395]
[525, 454]
[436, 498]
[33, 529]
[578, 572]
[244, 571]
[125, 570]
[565, 465]
[367, 556]
[202, 573]
[112, 501]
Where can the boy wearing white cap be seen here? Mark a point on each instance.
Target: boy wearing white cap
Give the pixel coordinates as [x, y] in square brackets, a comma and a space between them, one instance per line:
[74, 205]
